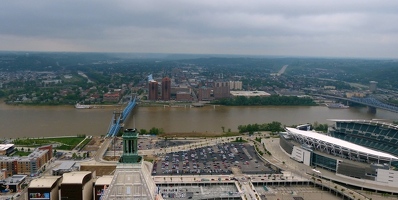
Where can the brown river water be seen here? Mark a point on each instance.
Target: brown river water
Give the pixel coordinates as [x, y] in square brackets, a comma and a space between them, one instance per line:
[40, 121]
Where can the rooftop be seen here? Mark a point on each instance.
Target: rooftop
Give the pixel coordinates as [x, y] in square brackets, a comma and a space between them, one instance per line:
[65, 165]
[4, 147]
[249, 93]
[104, 180]
[75, 177]
[44, 182]
[14, 180]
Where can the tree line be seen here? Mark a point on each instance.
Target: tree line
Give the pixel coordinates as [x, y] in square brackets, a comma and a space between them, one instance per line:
[273, 100]
[274, 127]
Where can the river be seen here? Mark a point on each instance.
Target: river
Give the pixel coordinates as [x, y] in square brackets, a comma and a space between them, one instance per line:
[39, 121]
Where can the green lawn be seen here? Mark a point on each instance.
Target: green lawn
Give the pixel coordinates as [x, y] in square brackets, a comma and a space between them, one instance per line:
[64, 143]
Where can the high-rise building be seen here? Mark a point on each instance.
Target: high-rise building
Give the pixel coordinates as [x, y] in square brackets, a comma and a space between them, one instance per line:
[221, 90]
[166, 89]
[372, 86]
[153, 90]
[235, 85]
[204, 94]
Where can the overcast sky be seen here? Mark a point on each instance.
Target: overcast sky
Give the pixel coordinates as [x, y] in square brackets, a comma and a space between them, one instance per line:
[337, 28]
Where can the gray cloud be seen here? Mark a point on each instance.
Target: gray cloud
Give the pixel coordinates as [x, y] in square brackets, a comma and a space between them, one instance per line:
[293, 27]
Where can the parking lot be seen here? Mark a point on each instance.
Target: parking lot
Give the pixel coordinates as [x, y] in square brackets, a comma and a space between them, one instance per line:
[218, 159]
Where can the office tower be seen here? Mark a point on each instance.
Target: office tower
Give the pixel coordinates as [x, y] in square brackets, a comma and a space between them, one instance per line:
[166, 89]
[153, 90]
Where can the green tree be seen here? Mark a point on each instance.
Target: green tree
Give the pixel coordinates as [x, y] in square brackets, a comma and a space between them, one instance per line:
[143, 131]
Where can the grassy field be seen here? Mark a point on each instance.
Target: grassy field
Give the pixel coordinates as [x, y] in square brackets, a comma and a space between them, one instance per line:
[22, 153]
[63, 143]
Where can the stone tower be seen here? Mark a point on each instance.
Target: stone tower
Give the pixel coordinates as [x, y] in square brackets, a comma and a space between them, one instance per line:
[130, 147]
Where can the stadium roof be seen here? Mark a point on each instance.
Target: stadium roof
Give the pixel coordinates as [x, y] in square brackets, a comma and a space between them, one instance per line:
[339, 142]
[363, 121]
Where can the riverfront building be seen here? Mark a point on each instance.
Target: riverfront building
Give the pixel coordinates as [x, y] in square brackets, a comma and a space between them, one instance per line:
[6, 149]
[352, 148]
[166, 89]
[112, 96]
[235, 85]
[204, 94]
[153, 90]
[221, 90]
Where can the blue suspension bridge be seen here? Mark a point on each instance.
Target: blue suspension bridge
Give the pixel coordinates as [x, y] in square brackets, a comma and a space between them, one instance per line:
[118, 118]
[371, 102]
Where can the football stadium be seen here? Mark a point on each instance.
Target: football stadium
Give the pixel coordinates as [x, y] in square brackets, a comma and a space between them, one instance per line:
[360, 149]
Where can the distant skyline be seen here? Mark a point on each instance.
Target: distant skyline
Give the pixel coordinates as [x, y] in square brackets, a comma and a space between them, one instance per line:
[338, 28]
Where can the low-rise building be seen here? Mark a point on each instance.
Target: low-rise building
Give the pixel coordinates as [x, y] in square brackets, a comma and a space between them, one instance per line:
[6, 149]
[101, 184]
[45, 188]
[13, 183]
[112, 97]
[77, 185]
[183, 96]
[65, 167]
[32, 164]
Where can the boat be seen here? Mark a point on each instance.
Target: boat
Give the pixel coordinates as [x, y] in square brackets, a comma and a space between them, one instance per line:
[336, 105]
[81, 106]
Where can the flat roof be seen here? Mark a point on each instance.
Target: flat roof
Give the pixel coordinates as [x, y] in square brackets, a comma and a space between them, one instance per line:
[104, 180]
[340, 142]
[74, 177]
[44, 182]
[4, 147]
[65, 165]
[249, 93]
[14, 179]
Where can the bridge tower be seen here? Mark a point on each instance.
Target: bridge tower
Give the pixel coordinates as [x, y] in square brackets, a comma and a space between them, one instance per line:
[372, 109]
[130, 147]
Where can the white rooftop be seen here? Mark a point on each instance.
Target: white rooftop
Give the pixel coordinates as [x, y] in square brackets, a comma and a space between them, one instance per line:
[4, 147]
[44, 182]
[249, 93]
[340, 142]
[74, 177]
[104, 180]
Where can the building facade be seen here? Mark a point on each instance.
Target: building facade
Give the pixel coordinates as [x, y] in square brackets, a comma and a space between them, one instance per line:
[221, 90]
[44, 188]
[183, 96]
[153, 90]
[77, 185]
[166, 89]
[204, 94]
[32, 164]
[235, 85]
[112, 97]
